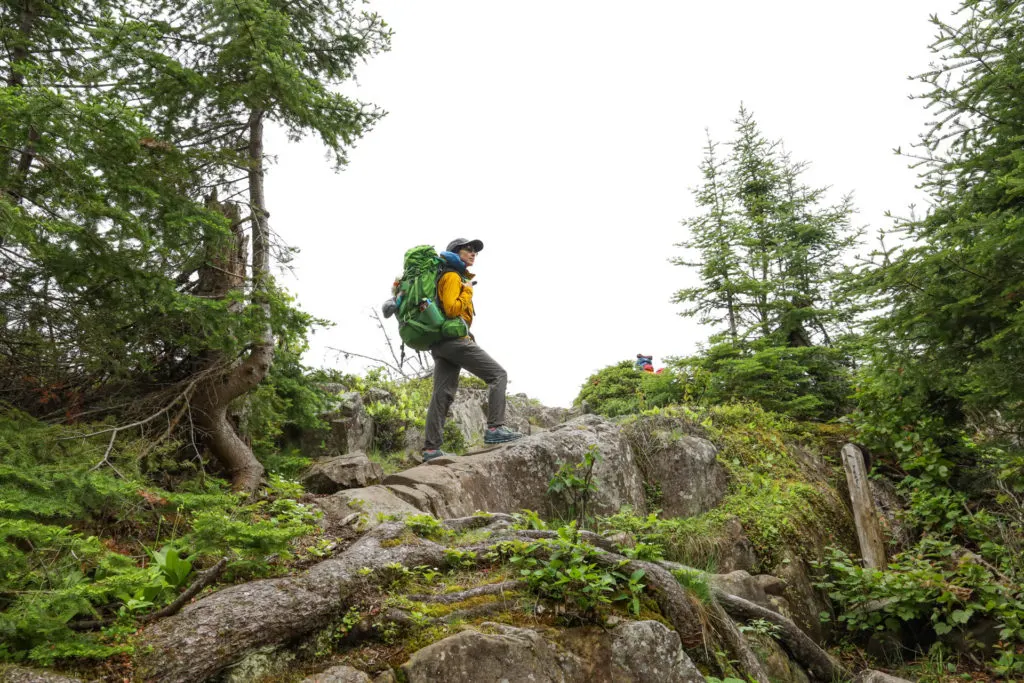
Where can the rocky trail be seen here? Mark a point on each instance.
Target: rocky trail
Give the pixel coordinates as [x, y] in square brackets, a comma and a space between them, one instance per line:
[495, 629]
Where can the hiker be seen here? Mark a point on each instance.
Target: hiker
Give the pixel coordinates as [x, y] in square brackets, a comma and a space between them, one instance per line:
[455, 297]
[642, 360]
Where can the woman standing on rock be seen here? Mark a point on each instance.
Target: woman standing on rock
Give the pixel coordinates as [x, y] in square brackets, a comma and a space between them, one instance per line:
[455, 296]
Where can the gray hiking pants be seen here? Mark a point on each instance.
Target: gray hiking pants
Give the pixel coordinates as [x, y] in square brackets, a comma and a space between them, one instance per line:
[450, 356]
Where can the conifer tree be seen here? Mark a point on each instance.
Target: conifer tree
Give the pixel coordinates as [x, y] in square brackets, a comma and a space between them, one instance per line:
[94, 222]
[949, 338]
[768, 252]
[123, 130]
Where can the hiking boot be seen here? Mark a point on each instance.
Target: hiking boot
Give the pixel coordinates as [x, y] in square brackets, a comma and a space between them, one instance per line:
[501, 434]
[430, 454]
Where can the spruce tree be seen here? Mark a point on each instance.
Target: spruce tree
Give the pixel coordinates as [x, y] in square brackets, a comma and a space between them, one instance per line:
[768, 252]
[949, 338]
[123, 129]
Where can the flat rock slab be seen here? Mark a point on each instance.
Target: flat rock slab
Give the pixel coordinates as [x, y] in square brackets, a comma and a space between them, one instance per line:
[352, 470]
[516, 475]
[374, 504]
[510, 478]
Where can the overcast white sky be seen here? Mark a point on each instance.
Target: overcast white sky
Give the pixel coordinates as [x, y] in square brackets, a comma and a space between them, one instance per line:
[567, 135]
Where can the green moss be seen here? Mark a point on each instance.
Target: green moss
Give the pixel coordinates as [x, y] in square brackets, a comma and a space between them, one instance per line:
[779, 499]
[390, 463]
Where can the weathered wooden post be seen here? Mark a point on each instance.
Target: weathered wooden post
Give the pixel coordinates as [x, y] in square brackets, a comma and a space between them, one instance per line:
[865, 515]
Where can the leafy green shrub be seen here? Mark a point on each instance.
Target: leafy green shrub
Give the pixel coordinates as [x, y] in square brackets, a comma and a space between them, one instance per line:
[574, 483]
[471, 382]
[77, 541]
[460, 559]
[427, 526]
[389, 423]
[454, 440]
[623, 390]
[806, 382]
[694, 581]
[652, 552]
[562, 570]
[937, 583]
[405, 407]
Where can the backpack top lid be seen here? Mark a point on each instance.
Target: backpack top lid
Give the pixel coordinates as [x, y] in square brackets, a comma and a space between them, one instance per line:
[418, 258]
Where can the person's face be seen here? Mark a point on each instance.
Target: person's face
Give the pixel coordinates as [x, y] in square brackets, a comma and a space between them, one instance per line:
[467, 254]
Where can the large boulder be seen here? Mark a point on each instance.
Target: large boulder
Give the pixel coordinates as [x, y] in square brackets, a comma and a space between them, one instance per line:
[516, 475]
[342, 472]
[373, 505]
[348, 429]
[511, 478]
[649, 652]
[679, 465]
[632, 652]
[507, 654]
[469, 413]
[872, 676]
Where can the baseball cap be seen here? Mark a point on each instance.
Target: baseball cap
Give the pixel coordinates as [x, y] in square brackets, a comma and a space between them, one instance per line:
[460, 242]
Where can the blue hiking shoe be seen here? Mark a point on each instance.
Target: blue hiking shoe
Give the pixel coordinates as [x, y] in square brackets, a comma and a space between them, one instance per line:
[501, 434]
[430, 454]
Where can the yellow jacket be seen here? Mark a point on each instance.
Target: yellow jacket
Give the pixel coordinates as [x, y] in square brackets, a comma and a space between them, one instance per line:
[456, 295]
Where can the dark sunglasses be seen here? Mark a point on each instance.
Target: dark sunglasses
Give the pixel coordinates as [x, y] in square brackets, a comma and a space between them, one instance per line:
[468, 247]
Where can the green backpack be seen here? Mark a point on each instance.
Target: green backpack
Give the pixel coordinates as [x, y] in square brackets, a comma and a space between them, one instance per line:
[421, 322]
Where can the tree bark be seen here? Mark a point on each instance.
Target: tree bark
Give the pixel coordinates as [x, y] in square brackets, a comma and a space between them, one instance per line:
[260, 227]
[224, 272]
[214, 397]
[865, 515]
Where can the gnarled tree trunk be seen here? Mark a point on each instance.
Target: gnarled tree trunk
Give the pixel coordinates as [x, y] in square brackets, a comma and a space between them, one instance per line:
[224, 272]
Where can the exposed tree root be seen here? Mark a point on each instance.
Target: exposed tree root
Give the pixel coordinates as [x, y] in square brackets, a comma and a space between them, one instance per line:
[496, 519]
[218, 630]
[819, 664]
[451, 598]
[590, 537]
[747, 661]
